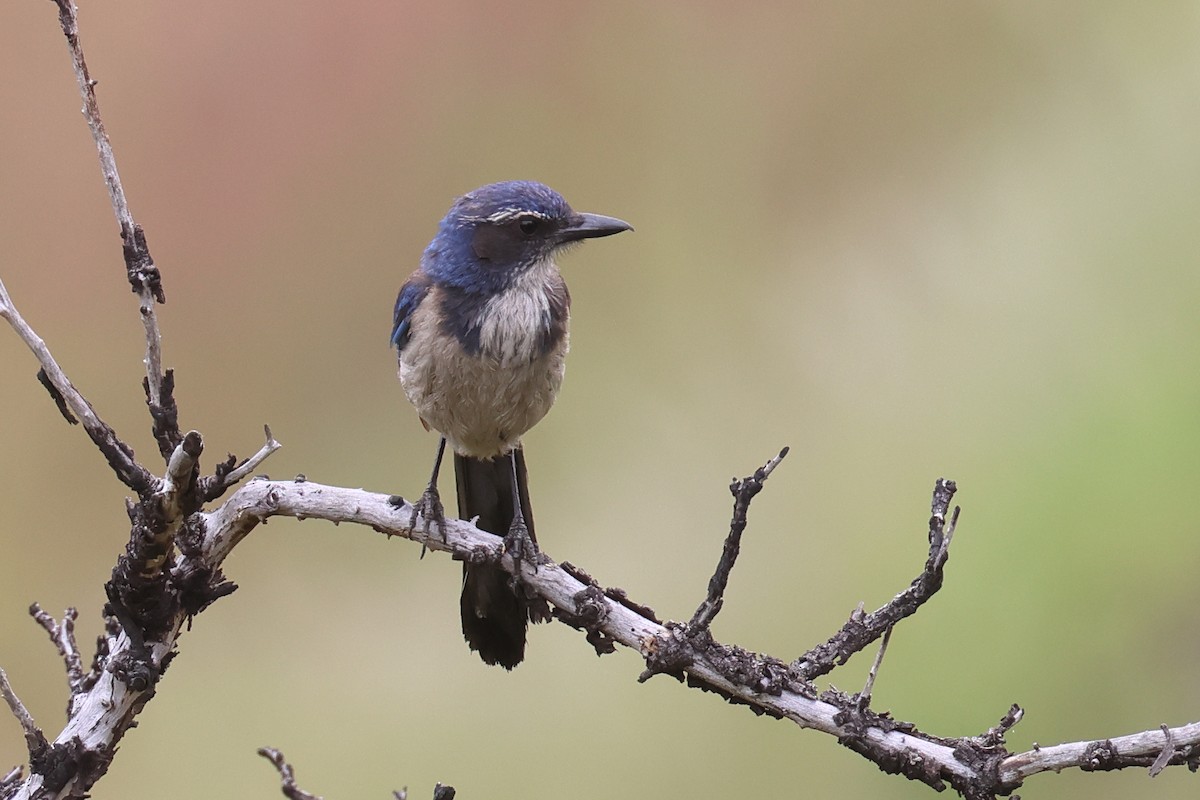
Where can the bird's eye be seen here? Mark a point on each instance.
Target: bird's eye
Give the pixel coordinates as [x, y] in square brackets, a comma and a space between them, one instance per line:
[529, 225]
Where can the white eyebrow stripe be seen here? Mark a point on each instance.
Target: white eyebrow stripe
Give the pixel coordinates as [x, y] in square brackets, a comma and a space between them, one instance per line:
[509, 213]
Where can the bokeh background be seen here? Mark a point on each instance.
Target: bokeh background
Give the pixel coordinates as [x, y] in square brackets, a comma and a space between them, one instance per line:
[909, 240]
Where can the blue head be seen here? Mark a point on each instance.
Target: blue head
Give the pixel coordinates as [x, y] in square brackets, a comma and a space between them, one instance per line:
[492, 235]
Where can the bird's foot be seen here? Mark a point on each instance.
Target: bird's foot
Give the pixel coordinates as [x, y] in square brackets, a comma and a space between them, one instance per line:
[520, 545]
[429, 509]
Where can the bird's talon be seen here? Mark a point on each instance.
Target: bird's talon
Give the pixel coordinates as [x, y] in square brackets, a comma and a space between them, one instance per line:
[521, 546]
[430, 509]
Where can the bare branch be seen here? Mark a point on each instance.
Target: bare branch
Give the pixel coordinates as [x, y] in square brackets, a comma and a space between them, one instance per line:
[977, 767]
[57, 397]
[759, 682]
[767, 685]
[180, 479]
[743, 492]
[150, 603]
[10, 782]
[1164, 758]
[119, 455]
[995, 735]
[63, 637]
[35, 740]
[165, 413]
[290, 790]
[869, 687]
[143, 275]
[861, 630]
[229, 472]
[286, 775]
[1143, 749]
[252, 463]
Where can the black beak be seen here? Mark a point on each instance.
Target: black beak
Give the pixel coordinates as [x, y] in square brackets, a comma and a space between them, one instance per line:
[590, 226]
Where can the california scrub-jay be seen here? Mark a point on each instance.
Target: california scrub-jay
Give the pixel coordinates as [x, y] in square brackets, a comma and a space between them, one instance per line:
[481, 328]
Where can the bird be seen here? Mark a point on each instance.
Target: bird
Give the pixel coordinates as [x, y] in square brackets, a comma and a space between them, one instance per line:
[481, 331]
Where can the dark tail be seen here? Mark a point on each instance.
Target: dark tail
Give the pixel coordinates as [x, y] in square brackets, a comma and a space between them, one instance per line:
[494, 618]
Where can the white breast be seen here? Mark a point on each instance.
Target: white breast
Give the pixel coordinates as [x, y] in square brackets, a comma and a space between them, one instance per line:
[514, 321]
[484, 403]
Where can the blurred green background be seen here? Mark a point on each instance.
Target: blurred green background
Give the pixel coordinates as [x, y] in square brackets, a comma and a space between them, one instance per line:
[909, 240]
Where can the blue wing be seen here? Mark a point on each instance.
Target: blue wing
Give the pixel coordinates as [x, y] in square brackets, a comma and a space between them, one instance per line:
[411, 294]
